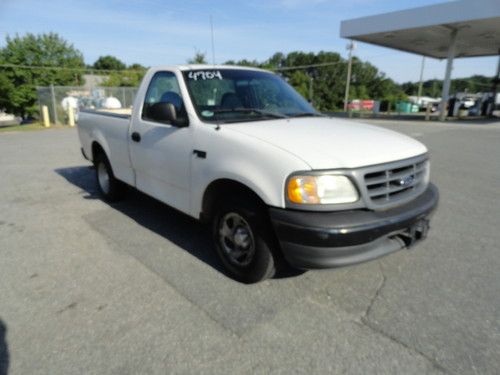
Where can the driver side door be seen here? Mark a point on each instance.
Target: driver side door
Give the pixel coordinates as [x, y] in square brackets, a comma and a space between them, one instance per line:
[160, 152]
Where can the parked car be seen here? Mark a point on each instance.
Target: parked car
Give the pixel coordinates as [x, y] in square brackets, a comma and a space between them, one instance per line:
[279, 183]
[9, 120]
[468, 102]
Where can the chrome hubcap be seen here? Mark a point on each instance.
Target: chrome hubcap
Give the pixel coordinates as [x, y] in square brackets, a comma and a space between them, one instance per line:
[103, 177]
[236, 239]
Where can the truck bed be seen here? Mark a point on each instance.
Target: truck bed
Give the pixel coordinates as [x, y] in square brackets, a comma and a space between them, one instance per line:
[110, 129]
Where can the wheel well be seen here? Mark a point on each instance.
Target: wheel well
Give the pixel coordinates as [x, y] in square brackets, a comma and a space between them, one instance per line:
[96, 150]
[224, 188]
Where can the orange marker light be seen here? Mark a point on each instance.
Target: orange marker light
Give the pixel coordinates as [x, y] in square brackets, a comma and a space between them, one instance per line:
[303, 189]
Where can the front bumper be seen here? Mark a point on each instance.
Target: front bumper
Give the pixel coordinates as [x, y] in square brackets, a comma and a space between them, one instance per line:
[339, 238]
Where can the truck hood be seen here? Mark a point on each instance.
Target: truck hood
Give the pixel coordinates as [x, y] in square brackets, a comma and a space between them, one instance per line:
[328, 143]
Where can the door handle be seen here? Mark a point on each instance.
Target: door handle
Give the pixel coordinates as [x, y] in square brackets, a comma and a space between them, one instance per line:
[136, 137]
[200, 154]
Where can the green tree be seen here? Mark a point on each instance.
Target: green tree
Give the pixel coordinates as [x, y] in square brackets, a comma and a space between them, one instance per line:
[244, 62]
[125, 78]
[276, 61]
[109, 63]
[300, 81]
[326, 69]
[35, 60]
[386, 89]
[136, 66]
[199, 58]
[327, 72]
[7, 90]
[433, 87]
[130, 77]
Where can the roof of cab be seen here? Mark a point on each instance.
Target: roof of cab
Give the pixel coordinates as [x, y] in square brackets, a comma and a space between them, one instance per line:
[185, 67]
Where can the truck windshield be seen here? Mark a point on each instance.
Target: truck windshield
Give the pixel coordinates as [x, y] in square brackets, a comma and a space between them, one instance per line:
[235, 95]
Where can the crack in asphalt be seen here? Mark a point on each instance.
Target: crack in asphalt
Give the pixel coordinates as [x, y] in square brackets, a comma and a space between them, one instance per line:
[436, 365]
[376, 294]
[366, 322]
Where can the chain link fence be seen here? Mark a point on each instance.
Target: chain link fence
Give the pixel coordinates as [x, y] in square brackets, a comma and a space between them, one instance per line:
[61, 99]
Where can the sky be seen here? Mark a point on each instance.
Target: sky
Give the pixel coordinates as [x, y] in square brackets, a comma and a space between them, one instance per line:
[159, 32]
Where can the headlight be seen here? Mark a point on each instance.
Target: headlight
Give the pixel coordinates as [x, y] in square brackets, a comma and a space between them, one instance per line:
[322, 189]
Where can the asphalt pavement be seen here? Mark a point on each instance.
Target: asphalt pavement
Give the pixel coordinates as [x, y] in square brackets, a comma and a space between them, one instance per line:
[134, 287]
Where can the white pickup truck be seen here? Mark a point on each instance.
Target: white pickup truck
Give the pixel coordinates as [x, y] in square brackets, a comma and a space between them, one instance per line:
[280, 183]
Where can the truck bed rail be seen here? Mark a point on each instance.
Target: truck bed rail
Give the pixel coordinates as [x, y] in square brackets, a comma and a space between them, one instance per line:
[120, 113]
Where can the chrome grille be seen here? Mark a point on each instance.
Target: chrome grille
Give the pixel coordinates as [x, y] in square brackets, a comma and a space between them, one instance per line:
[387, 184]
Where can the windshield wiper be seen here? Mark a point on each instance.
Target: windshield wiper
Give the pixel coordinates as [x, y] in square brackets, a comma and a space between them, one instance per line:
[250, 110]
[306, 114]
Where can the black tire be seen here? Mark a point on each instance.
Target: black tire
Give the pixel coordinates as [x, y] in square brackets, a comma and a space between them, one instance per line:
[111, 191]
[263, 263]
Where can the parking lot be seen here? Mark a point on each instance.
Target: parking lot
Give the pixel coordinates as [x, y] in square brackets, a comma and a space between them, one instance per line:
[133, 287]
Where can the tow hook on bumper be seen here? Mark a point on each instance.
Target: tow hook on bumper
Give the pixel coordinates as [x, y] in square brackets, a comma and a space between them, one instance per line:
[416, 232]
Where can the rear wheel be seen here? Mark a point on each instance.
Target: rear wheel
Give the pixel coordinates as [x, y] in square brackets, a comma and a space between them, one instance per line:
[243, 241]
[109, 187]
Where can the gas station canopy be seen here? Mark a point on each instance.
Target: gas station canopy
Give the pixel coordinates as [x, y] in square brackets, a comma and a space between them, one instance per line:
[426, 30]
[449, 30]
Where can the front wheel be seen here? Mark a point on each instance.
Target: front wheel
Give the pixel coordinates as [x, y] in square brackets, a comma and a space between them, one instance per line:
[244, 242]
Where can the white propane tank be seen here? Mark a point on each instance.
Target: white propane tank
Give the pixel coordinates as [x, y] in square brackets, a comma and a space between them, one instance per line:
[111, 103]
[69, 102]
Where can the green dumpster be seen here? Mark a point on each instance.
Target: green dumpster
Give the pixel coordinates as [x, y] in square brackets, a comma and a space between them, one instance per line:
[403, 107]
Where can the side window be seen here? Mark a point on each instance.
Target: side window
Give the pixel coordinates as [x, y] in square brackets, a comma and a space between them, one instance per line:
[163, 88]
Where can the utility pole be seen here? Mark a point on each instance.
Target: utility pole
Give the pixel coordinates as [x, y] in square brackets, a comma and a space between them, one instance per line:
[350, 47]
[419, 94]
[311, 79]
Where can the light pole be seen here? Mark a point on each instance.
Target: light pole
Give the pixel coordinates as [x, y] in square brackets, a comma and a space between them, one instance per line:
[350, 47]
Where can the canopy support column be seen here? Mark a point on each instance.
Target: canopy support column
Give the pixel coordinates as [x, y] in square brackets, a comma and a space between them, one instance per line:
[449, 66]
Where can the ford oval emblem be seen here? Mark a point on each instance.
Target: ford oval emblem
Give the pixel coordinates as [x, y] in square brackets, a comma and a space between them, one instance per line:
[406, 181]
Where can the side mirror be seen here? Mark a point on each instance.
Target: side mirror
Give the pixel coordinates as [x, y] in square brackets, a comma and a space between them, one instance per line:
[166, 113]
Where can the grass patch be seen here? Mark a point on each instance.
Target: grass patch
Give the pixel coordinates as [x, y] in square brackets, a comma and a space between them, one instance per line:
[28, 127]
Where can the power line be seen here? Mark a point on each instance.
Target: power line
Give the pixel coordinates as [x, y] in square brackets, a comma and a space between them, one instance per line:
[296, 67]
[94, 71]
[328, 63]
[307, 66]
[37, 67]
